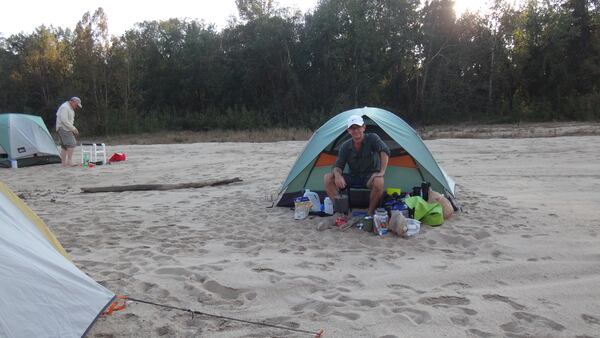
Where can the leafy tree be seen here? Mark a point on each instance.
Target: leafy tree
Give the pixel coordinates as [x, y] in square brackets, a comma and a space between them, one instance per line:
[436, 48]
[90, 72]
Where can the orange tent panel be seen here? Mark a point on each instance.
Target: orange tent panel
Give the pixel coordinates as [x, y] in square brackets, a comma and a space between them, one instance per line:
[405, 161]
[325, 160]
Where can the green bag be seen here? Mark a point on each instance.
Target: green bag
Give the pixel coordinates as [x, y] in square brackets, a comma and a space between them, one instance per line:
[428, 213]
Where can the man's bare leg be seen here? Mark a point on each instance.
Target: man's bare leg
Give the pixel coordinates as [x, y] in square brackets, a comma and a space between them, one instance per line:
[63, 155]
[69, 157]
[376, 194]
[330, 187]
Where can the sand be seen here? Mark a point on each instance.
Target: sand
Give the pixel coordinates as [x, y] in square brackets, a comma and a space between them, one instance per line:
[521, 260]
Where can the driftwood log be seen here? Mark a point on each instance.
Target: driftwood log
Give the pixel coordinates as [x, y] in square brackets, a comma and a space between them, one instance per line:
[143, 187]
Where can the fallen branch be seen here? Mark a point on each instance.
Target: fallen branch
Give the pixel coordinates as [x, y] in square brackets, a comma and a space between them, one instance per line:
[143, 187]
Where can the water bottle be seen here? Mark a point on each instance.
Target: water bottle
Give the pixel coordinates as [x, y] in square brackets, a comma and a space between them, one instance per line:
[86, 160]
[328, 206]
[380, 221]
[314, 199]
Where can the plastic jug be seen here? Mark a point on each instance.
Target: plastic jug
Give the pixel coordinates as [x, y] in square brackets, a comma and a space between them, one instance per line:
[412, 227]
[328, 206]
[380, 220]
[301, 207]
[314, 199]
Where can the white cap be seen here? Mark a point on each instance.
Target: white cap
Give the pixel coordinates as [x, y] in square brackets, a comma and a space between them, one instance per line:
[355, 119]
[76, 100]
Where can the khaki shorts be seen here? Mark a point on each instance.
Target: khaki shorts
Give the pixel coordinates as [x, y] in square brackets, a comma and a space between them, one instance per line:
[66, 138]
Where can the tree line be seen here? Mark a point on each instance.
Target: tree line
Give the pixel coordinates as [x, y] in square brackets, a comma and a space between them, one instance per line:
[273, 67]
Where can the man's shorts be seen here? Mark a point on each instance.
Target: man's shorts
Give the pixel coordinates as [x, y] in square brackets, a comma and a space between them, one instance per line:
[66, 138]
[357, 181]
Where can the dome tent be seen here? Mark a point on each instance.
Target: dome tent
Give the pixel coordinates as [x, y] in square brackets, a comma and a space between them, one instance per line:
[25, 140]
[42, 293]
[410, 162]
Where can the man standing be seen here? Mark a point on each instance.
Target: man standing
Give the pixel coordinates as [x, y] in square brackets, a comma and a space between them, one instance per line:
[65, 118]
[367, 158]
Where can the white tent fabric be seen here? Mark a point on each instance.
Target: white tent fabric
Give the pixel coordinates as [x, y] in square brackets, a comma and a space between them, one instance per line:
[42, 294]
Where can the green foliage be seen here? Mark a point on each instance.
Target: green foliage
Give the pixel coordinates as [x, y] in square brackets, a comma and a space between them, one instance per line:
[274, 68]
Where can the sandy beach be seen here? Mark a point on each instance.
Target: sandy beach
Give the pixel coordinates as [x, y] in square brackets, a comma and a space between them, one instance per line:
[521, 260]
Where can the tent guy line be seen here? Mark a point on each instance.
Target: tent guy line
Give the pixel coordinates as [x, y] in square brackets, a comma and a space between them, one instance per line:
[317, 334]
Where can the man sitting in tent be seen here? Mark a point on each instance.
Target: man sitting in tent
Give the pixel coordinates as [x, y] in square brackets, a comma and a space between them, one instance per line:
[367, 158]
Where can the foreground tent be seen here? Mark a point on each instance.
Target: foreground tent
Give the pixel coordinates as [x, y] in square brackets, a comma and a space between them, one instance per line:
[410, 162]
[26, 140]
[42, 294]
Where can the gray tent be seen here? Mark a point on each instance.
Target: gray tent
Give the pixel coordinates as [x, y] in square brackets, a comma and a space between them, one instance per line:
[26, 140]
[42, 294]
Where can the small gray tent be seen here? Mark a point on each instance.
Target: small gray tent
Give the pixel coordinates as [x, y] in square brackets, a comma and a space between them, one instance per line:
[42, 294]
[26, 140]
[410, 162]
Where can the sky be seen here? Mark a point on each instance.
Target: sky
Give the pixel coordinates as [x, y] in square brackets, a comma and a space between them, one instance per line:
[25, 15]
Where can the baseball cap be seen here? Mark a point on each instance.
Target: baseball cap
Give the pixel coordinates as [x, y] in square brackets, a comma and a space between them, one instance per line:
[355, 119]
[76, 99]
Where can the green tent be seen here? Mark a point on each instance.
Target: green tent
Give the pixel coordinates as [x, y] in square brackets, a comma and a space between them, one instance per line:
[25, 141]
[410, 162]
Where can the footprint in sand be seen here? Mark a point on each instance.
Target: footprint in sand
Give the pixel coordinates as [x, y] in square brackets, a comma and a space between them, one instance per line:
[468, 311]
[590, 319]
[444, 300]
[479, 333]
[531, 325]
[402, 287]
[321, 308]
[176, 271]
[415, 316]
[222, 291]
[358, 302]
[481, 234]
[457, 285]
[504, 299]
[250, 295]
[165, 331]
[347, 315]
[461, 320]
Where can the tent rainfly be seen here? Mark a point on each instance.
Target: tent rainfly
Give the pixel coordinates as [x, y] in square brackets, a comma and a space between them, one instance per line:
[25, 141]
[42, 294]
[410, 162]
